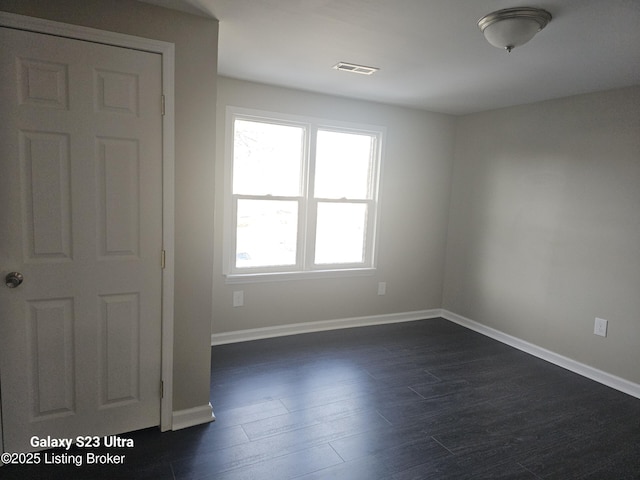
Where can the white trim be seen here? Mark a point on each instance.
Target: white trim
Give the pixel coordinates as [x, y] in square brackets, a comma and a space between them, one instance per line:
[587, 371]
[41, 25]
[304, 268]
[193, 416]
[233, 279]
[320, 326]
[167, 51]
[168, 233]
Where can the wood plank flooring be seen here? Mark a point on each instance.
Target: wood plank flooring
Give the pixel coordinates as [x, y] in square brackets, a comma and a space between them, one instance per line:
[417, 400]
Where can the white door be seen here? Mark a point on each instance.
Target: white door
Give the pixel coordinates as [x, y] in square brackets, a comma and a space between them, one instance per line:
[81, 220]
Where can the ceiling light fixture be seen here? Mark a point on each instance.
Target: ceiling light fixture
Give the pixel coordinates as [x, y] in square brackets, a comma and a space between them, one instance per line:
[353, 68]
[512, 27]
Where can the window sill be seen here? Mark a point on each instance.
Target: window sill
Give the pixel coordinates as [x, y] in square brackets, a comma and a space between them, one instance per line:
[238, 278]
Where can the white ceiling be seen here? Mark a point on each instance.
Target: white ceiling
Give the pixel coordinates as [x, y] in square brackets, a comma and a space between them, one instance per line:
[431, 53]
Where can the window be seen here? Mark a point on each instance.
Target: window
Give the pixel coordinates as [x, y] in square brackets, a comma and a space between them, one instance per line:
[302, 195]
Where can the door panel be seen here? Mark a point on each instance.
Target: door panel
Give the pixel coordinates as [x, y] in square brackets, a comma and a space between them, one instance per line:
[118, 343]
[45, 162]
[81, 189]
[118, 193]
[50, 338]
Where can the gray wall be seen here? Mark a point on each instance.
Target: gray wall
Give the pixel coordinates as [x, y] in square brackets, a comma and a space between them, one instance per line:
[196, 42]
[544, 230]
[414, 201]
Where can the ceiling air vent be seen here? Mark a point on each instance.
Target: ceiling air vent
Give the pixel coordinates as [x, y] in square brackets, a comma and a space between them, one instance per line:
[351, 67]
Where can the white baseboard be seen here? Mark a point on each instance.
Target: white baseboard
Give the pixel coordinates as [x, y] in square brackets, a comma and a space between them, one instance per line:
[192, 416]
[297, 328]
[587, 371]
[599, 376]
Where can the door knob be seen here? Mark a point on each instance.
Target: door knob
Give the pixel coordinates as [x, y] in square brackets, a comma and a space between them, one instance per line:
[14, 279]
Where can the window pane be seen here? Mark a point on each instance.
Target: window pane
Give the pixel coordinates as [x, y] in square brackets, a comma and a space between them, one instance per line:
[343, 165]
[267, 158]
[266, 233]
[340, 233]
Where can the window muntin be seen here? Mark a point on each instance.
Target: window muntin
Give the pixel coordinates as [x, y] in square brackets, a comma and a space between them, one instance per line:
[303, 195]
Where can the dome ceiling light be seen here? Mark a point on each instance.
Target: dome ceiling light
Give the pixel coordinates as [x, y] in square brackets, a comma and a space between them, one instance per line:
[512, 27]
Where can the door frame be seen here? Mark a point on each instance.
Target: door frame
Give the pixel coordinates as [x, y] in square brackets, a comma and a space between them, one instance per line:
[167, 51]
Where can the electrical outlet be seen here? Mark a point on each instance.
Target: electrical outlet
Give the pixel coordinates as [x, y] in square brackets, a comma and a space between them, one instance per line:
[238, 298]
[382, 288]
[600, 327]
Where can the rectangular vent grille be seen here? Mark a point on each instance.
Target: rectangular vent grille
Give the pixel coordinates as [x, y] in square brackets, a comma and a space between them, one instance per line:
[351, 67]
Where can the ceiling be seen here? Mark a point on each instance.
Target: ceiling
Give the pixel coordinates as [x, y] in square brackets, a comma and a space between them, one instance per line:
[431, 53]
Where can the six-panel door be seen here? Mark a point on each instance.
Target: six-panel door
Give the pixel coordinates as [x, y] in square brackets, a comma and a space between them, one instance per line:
[81, 219]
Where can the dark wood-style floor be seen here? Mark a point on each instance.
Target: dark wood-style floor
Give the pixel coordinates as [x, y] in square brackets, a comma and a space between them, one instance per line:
[417, 400]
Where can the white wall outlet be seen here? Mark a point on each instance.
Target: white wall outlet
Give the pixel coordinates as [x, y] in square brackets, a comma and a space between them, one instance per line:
[600, 327]
[238, 298]
[382, 288]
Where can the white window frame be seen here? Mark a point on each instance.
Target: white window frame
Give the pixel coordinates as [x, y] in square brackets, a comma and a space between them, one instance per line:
[307, 204]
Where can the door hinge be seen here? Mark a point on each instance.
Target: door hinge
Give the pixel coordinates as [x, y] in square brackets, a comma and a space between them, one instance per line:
[163, 259]
[162, 104]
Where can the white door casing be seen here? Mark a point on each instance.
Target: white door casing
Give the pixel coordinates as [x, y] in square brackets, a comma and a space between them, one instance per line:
[82, 155]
